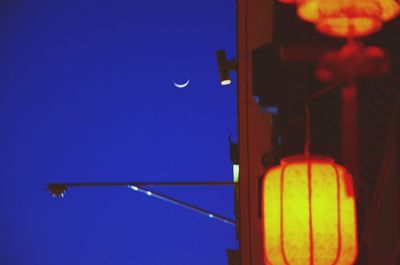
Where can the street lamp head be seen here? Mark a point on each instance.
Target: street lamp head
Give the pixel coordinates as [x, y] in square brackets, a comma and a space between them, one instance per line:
[225, 67]
[57, 190]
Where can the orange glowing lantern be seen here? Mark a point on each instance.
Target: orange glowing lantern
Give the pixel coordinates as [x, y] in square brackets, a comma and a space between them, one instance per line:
[309, 213]
[347, 18]
[352, 61]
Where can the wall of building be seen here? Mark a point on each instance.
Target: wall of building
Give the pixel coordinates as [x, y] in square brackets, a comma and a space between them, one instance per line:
[254, 29]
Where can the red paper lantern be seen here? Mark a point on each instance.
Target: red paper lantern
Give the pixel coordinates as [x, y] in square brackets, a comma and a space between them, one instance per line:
[352, 61]
[347, 18]
[309, 213]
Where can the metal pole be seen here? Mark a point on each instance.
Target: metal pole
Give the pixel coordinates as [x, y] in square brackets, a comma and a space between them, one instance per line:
[59, 189]
[141, 184]
[184, 204]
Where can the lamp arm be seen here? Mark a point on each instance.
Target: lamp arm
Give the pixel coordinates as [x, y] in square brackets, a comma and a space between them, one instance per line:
[157, 183]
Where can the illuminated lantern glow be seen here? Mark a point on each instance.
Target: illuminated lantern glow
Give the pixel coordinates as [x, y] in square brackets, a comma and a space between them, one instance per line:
[309, 213]
[352, 61]
[347, 18]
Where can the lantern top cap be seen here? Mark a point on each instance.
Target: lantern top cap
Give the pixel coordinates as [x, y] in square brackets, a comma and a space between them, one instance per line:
[302, 158]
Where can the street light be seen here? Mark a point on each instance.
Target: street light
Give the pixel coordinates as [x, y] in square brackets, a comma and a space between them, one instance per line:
[58, 190]
[224, 67]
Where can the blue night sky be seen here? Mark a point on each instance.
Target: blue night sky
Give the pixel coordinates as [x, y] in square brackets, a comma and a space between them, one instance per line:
[87, 94]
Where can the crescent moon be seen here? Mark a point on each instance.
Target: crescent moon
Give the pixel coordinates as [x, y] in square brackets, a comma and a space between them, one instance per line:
[182, 85]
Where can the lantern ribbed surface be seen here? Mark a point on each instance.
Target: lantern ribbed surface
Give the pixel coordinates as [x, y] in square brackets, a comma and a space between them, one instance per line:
[309, 213]
[347, 18]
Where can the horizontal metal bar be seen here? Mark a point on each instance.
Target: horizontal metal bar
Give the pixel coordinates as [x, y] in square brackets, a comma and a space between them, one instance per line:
[157, 183]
